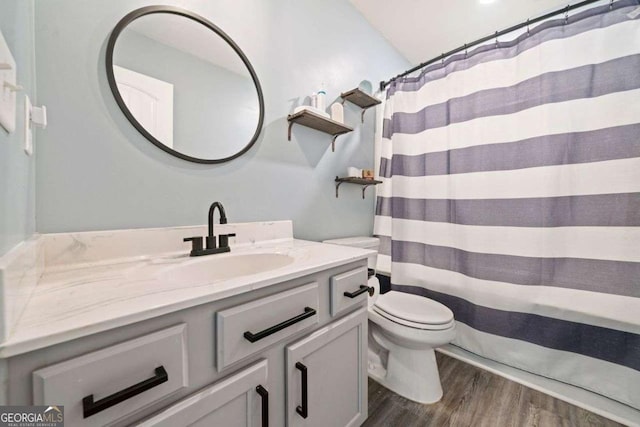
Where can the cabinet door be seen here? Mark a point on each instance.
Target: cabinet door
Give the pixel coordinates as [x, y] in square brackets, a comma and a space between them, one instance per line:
[327, 376]
[238, 401]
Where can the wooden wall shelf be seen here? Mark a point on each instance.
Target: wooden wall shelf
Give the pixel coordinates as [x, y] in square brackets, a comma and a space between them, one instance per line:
[361, 99]
[355, 180]
[316, 121]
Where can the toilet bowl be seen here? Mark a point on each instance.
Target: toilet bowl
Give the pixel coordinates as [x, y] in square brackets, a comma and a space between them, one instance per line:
[404, 330]
[409, 328]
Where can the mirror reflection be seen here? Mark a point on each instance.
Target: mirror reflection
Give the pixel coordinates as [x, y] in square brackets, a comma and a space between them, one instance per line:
[186, 86]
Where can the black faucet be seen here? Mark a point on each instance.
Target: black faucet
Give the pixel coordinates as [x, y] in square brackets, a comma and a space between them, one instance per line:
[211, 247]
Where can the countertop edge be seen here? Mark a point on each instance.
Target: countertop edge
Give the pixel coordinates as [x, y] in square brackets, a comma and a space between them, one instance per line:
[11, 348]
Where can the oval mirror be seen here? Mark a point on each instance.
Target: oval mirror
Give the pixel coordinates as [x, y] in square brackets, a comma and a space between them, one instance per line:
[184, 84]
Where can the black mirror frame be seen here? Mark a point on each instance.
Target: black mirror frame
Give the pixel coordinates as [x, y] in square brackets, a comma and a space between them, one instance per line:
[130, 17]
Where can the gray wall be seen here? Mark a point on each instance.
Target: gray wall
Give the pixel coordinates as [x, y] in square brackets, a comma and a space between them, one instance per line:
[17, 170]
[96, 172]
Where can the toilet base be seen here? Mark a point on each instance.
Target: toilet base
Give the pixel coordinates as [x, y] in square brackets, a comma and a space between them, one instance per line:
[412, 374]
[407, 357]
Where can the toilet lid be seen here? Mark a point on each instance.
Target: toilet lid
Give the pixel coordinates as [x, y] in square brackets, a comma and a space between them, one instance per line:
[413, 309]
[414, 325]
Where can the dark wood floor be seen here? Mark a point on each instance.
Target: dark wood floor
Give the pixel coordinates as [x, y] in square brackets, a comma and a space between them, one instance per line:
[474, 397]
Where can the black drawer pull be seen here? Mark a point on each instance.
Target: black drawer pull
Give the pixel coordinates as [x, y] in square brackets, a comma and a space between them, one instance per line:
[360, 291]
[264, 394]
[251, 337]
[89, 407]
[303, 409]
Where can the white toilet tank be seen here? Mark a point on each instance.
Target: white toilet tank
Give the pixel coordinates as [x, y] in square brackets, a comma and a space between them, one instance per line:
[372, 243]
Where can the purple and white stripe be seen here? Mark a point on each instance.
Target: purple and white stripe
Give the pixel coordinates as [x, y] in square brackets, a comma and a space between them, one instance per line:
[511, 193]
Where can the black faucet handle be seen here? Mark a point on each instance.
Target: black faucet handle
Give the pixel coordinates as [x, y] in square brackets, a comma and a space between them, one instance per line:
[224, 239]
[211, 242]
[196, 244]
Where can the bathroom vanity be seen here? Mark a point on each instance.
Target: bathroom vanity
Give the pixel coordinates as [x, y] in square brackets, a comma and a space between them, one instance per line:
[272, 333]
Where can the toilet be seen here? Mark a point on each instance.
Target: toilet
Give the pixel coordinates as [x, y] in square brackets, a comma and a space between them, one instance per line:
[404, 330]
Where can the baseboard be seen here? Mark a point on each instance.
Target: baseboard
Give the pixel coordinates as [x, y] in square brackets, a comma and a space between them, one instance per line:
[577, 396]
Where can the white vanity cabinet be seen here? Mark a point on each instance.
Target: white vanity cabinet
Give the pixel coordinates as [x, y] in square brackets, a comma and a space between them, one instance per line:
[327, 375]
[230, 362]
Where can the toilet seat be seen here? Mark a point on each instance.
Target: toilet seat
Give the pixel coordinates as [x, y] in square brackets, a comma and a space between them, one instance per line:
[414, 311]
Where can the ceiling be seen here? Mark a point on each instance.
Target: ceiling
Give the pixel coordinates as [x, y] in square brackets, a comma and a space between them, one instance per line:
[423, 29]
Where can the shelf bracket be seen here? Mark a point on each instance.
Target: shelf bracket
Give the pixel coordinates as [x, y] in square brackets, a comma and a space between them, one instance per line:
[363, 190]
[289, 132]
[364, 110]
[364, 187]
[337, 186]
[333, 143]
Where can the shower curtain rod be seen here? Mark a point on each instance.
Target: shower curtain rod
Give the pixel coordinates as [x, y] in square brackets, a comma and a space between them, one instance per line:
[566, 9]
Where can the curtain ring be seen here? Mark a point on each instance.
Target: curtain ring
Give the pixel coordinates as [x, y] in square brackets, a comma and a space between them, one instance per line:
[528, 30]
[442, 59]
[465, 50]
[496, 39]
[566, 15]
[610, 4]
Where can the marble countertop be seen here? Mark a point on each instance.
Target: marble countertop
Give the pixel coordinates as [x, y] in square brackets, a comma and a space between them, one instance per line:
[73, 301]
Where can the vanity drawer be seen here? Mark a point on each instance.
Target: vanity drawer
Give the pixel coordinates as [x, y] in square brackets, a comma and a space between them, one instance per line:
[248, 328]
[110, 384]
[348, 283]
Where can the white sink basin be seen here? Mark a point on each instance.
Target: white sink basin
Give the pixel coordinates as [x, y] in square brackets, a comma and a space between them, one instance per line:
[212, 268]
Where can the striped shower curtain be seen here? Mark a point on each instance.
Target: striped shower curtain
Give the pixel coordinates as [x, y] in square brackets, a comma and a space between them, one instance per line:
[511, 194]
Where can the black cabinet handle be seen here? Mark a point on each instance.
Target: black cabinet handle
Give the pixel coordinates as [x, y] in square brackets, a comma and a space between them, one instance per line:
[360, 291]
[303, 409]
[89, 407]
[264, 394]
[251, 337]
